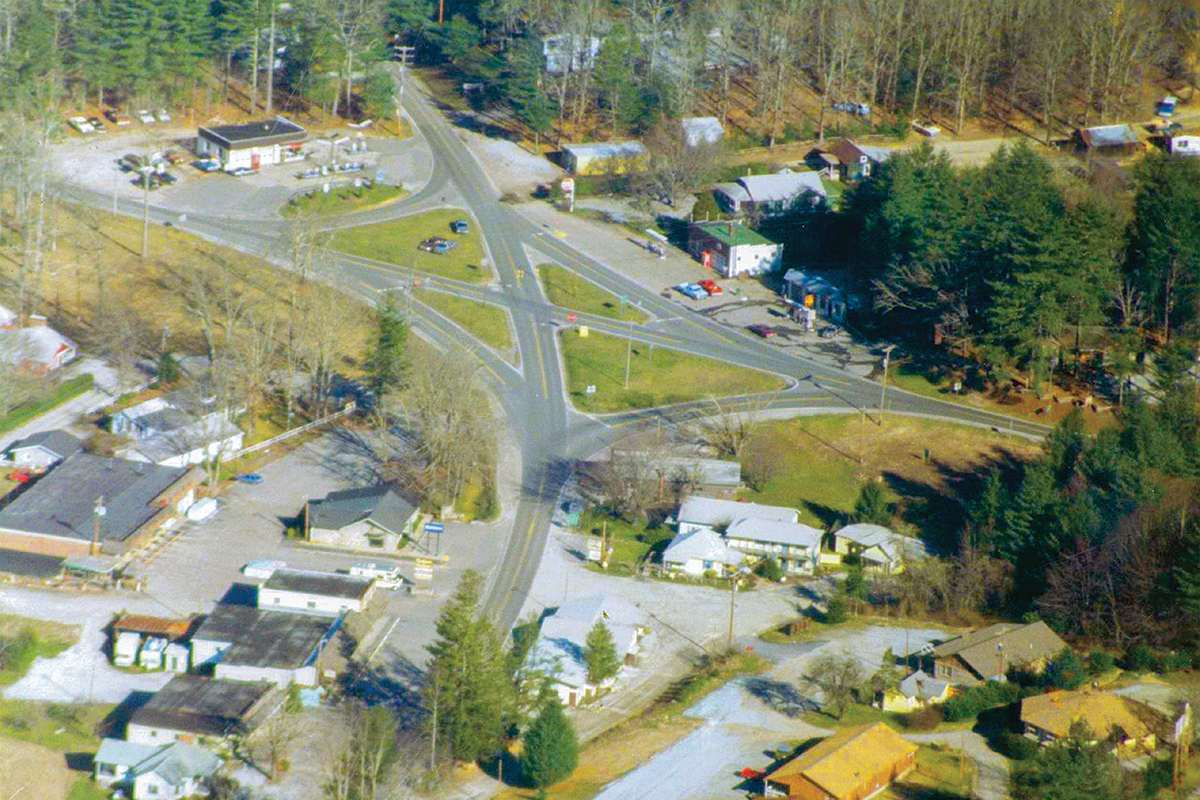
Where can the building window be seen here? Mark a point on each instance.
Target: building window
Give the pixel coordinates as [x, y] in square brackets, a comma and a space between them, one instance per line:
[151, 788]
[374, 541]
[275, 600]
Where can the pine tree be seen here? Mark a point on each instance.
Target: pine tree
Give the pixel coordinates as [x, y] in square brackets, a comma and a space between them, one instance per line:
[872, 505]
[387, 361]
[188, 33]
[1186, 576]
[601, 654]
[523, 87]
[95, 50]
[551, 750]
[614, 65]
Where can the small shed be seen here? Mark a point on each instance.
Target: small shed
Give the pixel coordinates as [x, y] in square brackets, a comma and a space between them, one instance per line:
[605, 158]
[125, 648]
[1113, 141]
[151, 655]
[175, 658]
[573, 509]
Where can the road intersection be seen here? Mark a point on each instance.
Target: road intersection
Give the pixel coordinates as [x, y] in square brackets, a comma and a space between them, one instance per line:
[551, 435]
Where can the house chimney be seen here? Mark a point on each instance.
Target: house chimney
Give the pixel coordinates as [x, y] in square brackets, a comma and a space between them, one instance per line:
[97, 521]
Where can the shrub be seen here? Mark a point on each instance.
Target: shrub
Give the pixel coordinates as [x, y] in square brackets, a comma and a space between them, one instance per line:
[1099, 662]
[838, 609]
[1016, 746]
[923, 719]
[706, 207]
[769, 569]
[1173, 662]
[1140, 658]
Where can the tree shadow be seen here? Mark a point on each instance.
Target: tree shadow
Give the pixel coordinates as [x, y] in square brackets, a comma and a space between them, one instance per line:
[830, 517]
[398, 684]
[80, 762]
[114, 722]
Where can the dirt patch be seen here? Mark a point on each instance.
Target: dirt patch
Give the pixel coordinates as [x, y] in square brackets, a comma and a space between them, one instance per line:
[31, 770]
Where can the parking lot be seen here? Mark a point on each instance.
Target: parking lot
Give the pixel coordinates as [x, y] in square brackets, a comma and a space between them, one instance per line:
[90, 160]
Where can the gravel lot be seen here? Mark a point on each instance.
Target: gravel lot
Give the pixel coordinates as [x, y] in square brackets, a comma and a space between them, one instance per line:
[510, 167]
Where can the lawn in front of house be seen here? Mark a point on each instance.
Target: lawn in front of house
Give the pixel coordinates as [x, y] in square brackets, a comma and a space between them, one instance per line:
[568, 289]
[657, 375]
[940, 772]
[486, 322]
[631, 542]
[396, 243]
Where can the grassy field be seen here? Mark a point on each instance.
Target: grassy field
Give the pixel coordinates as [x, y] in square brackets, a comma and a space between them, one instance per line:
[940, 772]
[657, 376]
[48, 640]
[567, 289]
[631, 542]
[396, 243]
[486, 322]
[342, 199]
[819, 474]
[66, 727]
[68, 390]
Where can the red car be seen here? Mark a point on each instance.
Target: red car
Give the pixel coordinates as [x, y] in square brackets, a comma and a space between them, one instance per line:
[711, 287]
[762, 330]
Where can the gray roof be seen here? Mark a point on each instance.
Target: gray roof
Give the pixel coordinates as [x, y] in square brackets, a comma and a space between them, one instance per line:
[563, 635]
[178, 762]
[1108, 135]
[710, 471]
[891, 543]
[57, 442]
[62, 502]
[380, 504]
[980, 650]
[255, 134]
[734, 191]
[37, 345]
[921, 686]
[702, 545]
[775, 532]
[711, 511]
[264, 638]
[782, 187]
[325, 584]
[119, 751]
[185, 437]
[201, 705]
[606, 149]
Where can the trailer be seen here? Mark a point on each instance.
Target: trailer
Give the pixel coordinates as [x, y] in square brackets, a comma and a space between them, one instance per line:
[125, 648]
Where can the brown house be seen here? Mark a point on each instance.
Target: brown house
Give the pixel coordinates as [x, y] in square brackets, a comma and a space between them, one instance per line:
[849, 765]
[988, 654]
[1124, 723]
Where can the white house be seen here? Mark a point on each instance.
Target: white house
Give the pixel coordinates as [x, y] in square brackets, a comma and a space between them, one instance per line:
[160, 772]
[772, 195]
[796, 546]
[177, 431]
[44, 449]
[700, 551]
[702, 129]
[696, 513]
[1184, 145]
[251, 145]
[315, 592]
[34, 345]
[732, 249]
[562, 642]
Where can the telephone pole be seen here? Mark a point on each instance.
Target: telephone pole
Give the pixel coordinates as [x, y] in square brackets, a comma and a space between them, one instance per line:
[887, 354]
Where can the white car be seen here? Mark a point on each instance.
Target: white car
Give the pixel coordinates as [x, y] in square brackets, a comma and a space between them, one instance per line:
[80, 124]
[202, 509]
[146, 117]
[240, 171]
[263, 568]
[162, 115]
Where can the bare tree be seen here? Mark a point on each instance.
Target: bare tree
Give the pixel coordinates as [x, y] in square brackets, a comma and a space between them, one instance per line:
[730, 423]
[122, 336]
[274, 739]
[837, 676]
[363, 763]
[677, 164]
[253, 355]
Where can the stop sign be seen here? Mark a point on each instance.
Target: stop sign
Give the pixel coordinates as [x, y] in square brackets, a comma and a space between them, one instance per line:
[571, 318]
[416, 281]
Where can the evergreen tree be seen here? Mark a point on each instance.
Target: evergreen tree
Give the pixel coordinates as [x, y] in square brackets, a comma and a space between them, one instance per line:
[1075, 768]
[1185, 575]
[551, 750]
[987, 508]
[614, 65]
[95, 48]
[387, 360]
[601, 654]
[188, 31]
[473, 692]
[143, 52]
[872, 505]
[523, 87]
[838, 609]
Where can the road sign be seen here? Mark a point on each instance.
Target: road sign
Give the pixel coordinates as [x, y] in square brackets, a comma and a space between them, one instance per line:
[583, 331]
[435, 527]
[593, 549]
[568, 185]
[416, 281]
[379, 176]
[572, 317]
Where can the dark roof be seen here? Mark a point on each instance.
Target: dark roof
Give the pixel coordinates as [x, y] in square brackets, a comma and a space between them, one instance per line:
[262, 638]
[201, 705]
[255, 134]
[62, 503]
[60, 443]
[1022, 644]
[32, 565]
[325, 584]
[380, 504]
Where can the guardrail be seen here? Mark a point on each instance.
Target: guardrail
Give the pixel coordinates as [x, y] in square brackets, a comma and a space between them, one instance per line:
[346, 410]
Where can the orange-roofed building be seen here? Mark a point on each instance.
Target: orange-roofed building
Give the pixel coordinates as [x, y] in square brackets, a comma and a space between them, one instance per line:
[851, 765]
[1124, 723]
[153, 626]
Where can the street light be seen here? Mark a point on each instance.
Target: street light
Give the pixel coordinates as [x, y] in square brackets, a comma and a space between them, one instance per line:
[887, 354]
[737, 576]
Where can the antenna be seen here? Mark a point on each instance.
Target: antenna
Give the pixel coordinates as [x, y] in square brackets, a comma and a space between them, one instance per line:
[97, 524]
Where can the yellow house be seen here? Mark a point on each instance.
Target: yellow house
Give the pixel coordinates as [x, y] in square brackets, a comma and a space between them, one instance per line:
[605, 158]
[879, 548]
[1123, 723]
[916, 691]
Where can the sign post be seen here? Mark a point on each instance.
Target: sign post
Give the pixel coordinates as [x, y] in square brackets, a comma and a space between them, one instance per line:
[568, 187]
[572, 317]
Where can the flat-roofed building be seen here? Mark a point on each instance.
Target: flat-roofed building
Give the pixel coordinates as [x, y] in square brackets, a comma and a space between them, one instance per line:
[315, 592]
[251, 145]
[193, 709]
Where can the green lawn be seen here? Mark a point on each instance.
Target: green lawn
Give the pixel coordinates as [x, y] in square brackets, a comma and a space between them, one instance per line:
[630, 542]
[342, 199]
[85, 789]
[658, 376]
[66, 727]
[31, 638]
[567, 289]
[484, 321]
[396, 243]
[32, 409]
[833, 192]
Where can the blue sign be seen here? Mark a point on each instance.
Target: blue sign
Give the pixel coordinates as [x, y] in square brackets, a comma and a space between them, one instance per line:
[435, 527]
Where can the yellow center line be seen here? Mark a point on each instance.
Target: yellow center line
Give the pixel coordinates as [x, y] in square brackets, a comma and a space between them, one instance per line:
[537, 340]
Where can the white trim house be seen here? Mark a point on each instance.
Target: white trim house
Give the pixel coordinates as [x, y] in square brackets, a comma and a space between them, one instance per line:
[700, 551]
[796, 546]
[709, 513]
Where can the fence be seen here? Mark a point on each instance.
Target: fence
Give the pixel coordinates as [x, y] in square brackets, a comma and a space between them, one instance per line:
[346, 410]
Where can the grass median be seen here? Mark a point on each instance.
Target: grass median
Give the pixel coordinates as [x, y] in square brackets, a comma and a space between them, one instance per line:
[396, 243]
[657, 375]
[342, 199]
[567, 289]
[484, 321]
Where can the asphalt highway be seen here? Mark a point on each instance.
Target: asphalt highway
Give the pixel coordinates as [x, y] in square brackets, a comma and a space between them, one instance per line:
[550, 434]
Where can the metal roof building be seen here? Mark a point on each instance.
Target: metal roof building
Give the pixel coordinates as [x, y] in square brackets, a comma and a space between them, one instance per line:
[191, 706]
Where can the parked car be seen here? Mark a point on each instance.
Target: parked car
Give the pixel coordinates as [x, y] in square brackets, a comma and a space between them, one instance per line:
[80, 124]
[692, 290]
[711, 287]
[830, 331]
[460, 226]
[167, 179]
[762, 330]
[240, 171]
[252, 478]
[173, 157]
[116, 117]
[145, 117]
[146, 180]
[97, 124]
[443, 247]
[162, 115]
[132, 161]
[207, 166]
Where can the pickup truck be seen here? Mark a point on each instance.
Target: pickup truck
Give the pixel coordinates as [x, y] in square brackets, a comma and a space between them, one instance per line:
[387, 575]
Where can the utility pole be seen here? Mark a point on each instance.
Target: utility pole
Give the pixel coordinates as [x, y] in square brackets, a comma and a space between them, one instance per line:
[145, 173]
[271, 59]
[441, 11]
[732, 597]
[628, 353]
[887, 354]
